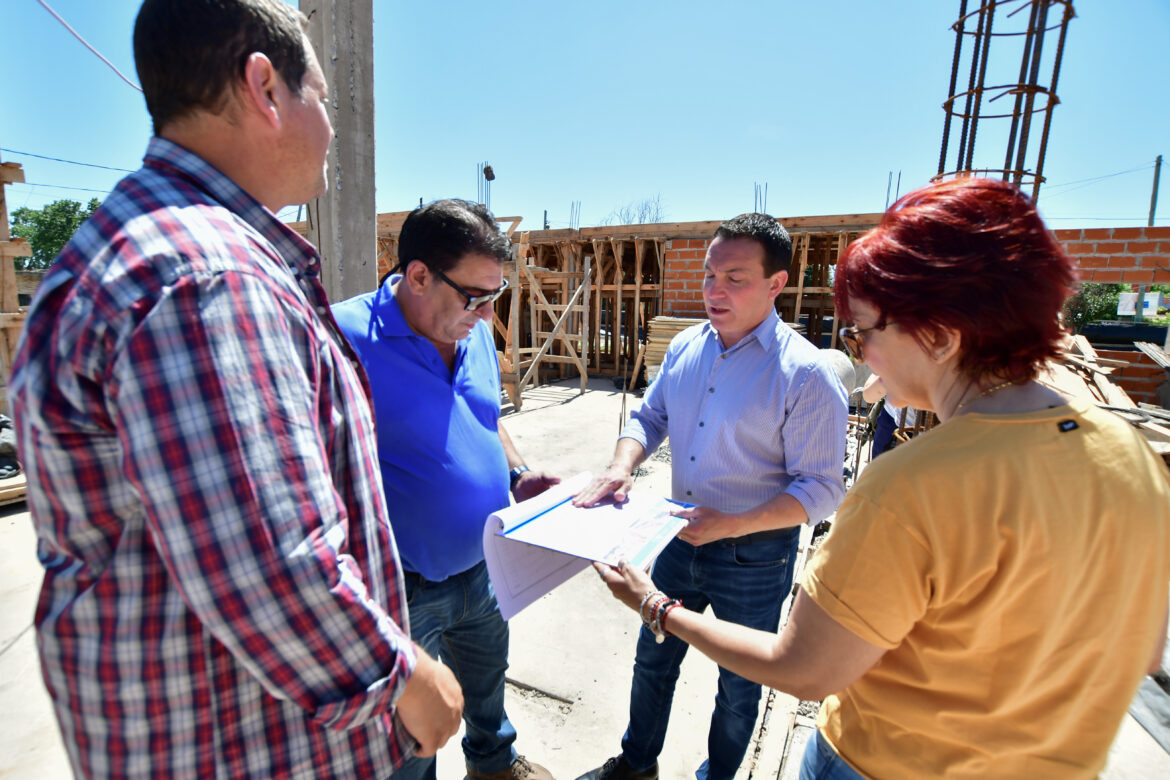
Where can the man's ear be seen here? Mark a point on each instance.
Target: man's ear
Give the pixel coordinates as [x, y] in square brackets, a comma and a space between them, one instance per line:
[417, 276]
[776, 282]
[262, 91]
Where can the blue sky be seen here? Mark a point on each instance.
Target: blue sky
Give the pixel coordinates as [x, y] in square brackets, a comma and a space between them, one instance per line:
[607, 103]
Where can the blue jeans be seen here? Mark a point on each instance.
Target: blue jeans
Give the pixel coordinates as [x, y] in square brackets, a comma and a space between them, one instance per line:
[458, 621]
[743, 583]
[821, 762]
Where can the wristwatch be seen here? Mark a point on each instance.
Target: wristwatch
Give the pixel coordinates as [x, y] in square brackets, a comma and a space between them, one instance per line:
[514, 475]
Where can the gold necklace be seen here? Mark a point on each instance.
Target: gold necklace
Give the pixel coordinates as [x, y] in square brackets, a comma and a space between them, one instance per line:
[987, 392]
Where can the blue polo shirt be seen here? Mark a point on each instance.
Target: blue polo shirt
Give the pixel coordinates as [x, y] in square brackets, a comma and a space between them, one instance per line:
[443, 467]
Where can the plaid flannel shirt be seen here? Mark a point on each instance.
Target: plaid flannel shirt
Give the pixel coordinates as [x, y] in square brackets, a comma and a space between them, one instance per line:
[222, 596]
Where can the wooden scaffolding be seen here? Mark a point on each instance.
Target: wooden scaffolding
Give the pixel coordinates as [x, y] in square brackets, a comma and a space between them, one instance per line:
[11, 315]
[807, 299]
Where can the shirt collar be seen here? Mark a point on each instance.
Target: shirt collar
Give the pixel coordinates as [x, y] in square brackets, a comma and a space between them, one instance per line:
[171, 158]
[387, 313]
[765, 333]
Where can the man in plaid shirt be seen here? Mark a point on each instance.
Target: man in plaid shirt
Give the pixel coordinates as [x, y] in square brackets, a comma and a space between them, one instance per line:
[222, 594]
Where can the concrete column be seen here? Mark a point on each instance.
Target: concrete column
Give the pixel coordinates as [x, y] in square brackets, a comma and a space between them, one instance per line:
[343, 221]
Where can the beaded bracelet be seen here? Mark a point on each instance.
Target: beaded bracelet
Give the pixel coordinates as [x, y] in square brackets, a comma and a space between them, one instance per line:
[642, 607]
[658, 612]
[666, 611]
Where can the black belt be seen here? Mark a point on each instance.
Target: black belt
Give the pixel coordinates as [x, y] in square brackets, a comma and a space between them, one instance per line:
[759, 536]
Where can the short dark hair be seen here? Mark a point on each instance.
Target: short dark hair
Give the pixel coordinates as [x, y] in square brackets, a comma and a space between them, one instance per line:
[970, 254]
[770, 234]
[191, 53]
[441, 233]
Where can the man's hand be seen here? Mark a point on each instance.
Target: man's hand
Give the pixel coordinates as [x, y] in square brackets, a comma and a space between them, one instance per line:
[431, 705]
[616, 481]
[705, 524]
[532, 483]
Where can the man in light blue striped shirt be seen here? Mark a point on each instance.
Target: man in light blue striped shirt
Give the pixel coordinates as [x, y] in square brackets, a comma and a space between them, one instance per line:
[757, 423]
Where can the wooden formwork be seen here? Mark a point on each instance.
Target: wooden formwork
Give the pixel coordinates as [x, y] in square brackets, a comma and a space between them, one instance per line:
[626, 287]
[545, 320]
[809, 291]
[11, 316]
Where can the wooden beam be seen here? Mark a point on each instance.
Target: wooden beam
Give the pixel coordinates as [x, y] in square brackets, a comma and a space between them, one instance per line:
[11, 173]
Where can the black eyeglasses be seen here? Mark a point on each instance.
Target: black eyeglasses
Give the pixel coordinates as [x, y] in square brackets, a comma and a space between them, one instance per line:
[473, 301]
[854, 342]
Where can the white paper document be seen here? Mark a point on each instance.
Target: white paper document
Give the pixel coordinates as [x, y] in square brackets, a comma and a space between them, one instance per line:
[534, 546]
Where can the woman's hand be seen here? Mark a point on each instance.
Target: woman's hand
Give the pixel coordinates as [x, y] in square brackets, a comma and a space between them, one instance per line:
[627, 583]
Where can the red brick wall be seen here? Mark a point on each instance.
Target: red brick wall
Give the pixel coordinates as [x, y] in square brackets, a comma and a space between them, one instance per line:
[1136, 255]
[1132, 255]
[1140, 378]
[683, 277]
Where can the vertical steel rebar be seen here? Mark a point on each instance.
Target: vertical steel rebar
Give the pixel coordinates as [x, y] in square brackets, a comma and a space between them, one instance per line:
[1025, 93]
[1053, 100]
[949, 104]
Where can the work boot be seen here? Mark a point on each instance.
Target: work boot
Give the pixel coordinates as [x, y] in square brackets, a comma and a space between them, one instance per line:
[521, 769]
[616, 768]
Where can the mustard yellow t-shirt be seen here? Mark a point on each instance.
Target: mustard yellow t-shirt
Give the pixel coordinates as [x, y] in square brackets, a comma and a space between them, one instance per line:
[1016, 569]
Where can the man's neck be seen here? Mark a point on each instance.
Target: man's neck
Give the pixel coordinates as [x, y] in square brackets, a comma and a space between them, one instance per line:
[729, 339]
[412, 315]
[227, 148]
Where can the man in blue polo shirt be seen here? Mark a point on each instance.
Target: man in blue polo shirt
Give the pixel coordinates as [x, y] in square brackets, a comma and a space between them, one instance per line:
[425, 339]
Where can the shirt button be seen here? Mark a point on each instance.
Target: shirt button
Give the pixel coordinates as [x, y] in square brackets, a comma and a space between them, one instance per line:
[688, 492]
[701, 425]
[321, 310]
[692, 459]
[710, 389]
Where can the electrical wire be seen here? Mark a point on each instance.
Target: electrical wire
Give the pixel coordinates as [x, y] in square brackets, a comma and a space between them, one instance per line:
[1082, 183]
[56, 187]
[87, 45]
[1100, 178]
[1103, 219]
[58, 159]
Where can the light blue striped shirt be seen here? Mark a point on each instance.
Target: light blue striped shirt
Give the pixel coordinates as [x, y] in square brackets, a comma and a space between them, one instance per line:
[766, 417]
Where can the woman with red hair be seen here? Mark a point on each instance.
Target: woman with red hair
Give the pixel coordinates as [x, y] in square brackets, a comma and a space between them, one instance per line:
[992, 593]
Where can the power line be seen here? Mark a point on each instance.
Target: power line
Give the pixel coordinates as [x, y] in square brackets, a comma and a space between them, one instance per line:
[1100, 178]
[57, 187]
[58, 159]
[1100, 219]
[65, 24]
[1082, 183]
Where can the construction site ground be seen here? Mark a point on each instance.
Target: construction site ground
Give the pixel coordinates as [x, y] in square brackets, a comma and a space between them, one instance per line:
[572, 651]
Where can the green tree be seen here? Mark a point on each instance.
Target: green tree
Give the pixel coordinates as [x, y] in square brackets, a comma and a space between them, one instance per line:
[49, 229]
[1094, 301]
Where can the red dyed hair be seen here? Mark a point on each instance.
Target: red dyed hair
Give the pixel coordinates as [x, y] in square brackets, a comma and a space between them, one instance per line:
[969, 254]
